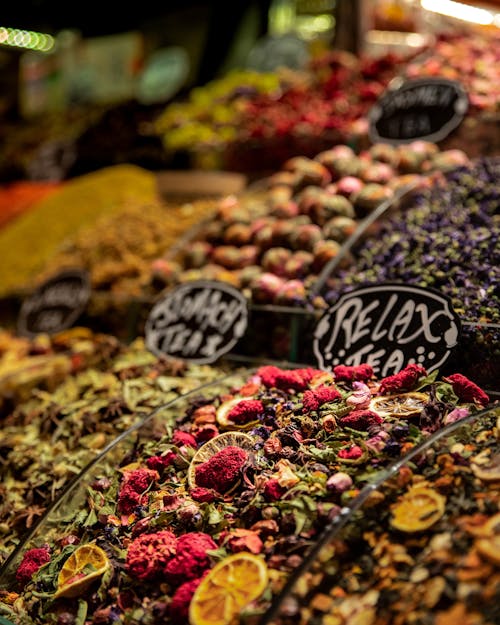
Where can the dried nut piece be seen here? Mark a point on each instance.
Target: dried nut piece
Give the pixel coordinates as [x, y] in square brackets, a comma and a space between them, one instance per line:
[403, 406]
[231, 585]
[418, 509]
[486, 466]
[213, 446]
[85, 564]
[489, 544]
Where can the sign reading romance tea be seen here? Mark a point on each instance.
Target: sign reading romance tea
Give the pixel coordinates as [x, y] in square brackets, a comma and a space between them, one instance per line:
[387, 326]
[56, 304]
[423, 108]
[197, 321]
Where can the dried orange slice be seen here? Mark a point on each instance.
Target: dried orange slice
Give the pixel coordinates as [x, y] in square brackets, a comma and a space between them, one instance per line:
[84, 565]
[489, 544]
[231, 585]
[486, 466]
[403, 406]
[213, 446]
[223, 411]
[418, 509]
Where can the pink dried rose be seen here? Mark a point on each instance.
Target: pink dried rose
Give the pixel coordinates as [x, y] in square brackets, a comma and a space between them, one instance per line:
[32, 560]
[158, 463]
[223, 469]
[133, 487]
[361, 395]
[466, 390]
[405, 380]
[358, 373]
[314, 399]
[149, 554]
[339, 482]
[191, 559]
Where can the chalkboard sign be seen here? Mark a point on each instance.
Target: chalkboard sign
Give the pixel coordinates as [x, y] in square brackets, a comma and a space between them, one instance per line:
[423, 108]
[387, 326]
[197, 321]
[55, 305]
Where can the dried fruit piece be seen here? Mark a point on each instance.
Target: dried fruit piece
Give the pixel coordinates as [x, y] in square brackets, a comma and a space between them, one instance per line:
[486, 467]
[404, 405]
[231, 585]
[85, 564]
[489, 544]
[418, 509]
[213, 446]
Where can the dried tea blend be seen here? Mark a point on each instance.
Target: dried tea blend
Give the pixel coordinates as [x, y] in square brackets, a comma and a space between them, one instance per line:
[258, 464]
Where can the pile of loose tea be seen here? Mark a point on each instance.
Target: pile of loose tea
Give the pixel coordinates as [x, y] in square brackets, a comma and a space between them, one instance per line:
[448, 239]
[275, 245]
[424, 547]
[67, 398]
[206, 511]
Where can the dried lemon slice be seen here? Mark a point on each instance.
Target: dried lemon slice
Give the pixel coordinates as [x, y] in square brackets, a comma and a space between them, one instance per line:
[231, 585]
[403, 406]
[486, 467]
[418, 509]
[489, 544]
[213, 446]
[84, 565]
[223, 412]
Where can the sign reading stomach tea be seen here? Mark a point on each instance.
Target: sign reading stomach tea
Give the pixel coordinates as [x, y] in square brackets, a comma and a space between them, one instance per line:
[197, 321]
[387, 326]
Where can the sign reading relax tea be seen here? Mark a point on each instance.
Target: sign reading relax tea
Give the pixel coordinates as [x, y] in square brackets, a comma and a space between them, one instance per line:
[424, 108]
[387, 326]
[197, 321]
[56, 304]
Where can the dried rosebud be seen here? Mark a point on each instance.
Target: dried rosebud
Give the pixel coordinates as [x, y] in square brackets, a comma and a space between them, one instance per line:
[273, 491]
[32, 560]
[315, 398]
[329, 424]
[181, 438]
[149, 554]
[191, 559]
[266, 527]
[242, 540]
[359, 373]
[405, 380]
[339, 482]
[158, 463]
[466, 390]
[179, 606]
[134, 484]
[203, 495]
[361, 420]
[222, 470]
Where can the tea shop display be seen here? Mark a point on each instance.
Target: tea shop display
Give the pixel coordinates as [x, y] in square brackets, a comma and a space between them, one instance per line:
[222, 493]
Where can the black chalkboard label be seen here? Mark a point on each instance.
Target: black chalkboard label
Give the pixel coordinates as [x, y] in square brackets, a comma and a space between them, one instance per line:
[56, 304]
[424, 108]
[197, 321]
[387, 326]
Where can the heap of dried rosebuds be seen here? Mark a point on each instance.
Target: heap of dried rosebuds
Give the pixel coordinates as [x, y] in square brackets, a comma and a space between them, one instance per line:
[260, 470]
